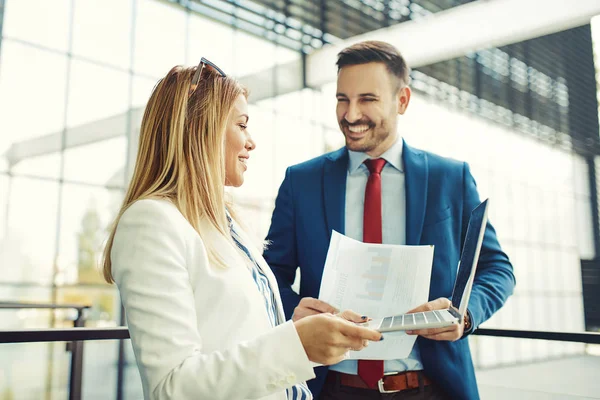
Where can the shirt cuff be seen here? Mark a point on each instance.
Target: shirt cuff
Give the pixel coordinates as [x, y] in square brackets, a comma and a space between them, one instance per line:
[471, 328]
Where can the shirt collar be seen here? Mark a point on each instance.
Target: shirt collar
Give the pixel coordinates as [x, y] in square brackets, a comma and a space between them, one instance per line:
[393, 156]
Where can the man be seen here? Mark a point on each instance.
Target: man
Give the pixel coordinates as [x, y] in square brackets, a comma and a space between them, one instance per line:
[379, 189]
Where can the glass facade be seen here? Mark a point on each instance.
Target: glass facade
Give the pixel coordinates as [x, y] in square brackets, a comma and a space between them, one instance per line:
[72, 93]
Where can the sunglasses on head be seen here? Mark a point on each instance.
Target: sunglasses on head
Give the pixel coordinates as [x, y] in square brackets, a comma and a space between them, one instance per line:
[196, 79]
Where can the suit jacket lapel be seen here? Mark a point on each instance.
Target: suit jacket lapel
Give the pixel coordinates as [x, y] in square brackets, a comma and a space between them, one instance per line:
[416, 176]
[335, 173]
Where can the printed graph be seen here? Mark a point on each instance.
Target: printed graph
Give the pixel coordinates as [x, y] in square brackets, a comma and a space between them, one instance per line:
[375, 277]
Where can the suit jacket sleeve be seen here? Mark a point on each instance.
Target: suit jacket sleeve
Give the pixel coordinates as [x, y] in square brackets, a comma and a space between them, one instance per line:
[281, 253]
[494, 278]
[149, 266]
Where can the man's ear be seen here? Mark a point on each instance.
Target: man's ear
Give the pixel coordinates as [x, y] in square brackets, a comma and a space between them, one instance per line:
[403, 96]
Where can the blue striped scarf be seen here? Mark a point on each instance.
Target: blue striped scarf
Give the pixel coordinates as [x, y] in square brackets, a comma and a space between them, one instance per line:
[299, 391]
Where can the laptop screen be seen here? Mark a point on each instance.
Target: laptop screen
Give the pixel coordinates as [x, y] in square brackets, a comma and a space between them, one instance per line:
[469, 257]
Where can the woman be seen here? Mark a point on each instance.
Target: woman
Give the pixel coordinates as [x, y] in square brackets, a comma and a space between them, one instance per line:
[202, 306]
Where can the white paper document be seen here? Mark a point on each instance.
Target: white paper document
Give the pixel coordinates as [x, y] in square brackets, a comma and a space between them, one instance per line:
[377, 280]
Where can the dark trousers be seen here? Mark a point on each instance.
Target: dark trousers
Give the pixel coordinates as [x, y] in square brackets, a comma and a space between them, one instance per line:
[333, 390]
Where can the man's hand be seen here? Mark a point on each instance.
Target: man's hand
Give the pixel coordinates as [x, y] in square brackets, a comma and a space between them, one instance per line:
[450, 333]
[311, 306]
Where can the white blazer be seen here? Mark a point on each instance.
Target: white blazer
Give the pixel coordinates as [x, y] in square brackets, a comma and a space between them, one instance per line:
[199, 331]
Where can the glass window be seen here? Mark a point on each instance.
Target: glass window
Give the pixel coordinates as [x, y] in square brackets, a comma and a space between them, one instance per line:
[534, 217]
[214, 41]
[553, 271]
[333, 139]
[29, 144]
[551, 216]
[328, 106]
[572, 272]
[583, 223]
[100, 372]
[581, 183]
[519, 209]
[142, 89]
[500, 214]
[98, 98]
[575, 306]
[29, 366]
[12, 319]
[37, 166]
[487, 353]
[525, 314]
[132, 382]
[132, 147]
[87, 214]
[507, 315]
[4, 192]
[103, 300]
[92, 39]
[538, 267]
[259, 180]
[290, 105]
[312, 101]
[41, 22]
[294, 142]
[566, 229]
[524, 346]
[520, 258]
[251, 54]
[30, 242]
[284, 55]
[256, 213]
[95, 147]
[100, 163]
[508, 350]
[159, 37]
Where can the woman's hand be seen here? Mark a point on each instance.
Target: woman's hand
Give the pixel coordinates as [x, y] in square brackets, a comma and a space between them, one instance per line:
[351, 316]
[327, 338]
[311, 306]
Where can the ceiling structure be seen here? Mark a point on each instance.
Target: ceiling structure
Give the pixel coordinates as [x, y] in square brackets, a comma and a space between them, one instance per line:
[542, 86]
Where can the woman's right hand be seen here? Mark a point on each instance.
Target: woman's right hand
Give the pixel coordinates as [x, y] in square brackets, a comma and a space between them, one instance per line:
[327, 338]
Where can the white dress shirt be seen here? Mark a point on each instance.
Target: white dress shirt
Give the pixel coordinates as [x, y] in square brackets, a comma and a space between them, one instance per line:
[199, 331]
[393, 210]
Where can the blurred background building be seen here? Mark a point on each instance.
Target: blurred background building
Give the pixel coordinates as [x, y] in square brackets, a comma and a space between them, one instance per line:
[75, 76]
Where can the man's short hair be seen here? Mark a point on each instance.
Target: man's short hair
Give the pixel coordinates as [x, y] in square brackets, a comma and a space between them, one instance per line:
[376, 51]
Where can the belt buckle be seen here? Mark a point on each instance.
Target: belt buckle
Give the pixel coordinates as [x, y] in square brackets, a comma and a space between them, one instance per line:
[380, 383]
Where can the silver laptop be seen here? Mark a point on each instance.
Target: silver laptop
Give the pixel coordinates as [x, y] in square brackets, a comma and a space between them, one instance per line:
[462, 286]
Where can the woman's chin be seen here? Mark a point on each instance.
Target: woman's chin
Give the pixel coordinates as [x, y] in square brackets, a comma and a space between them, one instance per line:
[235, 181]
[238, 182]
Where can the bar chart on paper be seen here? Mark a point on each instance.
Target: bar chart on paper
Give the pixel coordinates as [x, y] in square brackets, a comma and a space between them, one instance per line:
[376, 280]
[376, 276]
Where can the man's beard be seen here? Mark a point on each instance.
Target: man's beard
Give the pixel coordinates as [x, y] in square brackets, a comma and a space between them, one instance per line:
[376, 135]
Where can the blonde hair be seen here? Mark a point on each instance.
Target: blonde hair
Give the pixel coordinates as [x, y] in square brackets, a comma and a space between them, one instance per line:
[181, 151]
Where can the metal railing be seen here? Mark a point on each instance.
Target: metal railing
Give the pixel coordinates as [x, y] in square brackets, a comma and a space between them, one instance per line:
[121, 332]
[78, 334]
[75, 346]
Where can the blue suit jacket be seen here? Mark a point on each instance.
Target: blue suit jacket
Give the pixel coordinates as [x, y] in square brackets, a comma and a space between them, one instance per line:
[440, 194]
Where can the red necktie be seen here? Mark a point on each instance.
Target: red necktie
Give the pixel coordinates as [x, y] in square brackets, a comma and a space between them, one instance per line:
[371, 371]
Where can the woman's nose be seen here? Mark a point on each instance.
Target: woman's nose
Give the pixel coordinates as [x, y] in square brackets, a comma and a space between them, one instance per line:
[250, 143]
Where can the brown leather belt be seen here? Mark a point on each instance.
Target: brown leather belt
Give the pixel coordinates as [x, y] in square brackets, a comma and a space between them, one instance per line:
[389, 383]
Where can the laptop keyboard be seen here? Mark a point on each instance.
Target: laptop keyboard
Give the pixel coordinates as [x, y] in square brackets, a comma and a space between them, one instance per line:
[412, 319]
